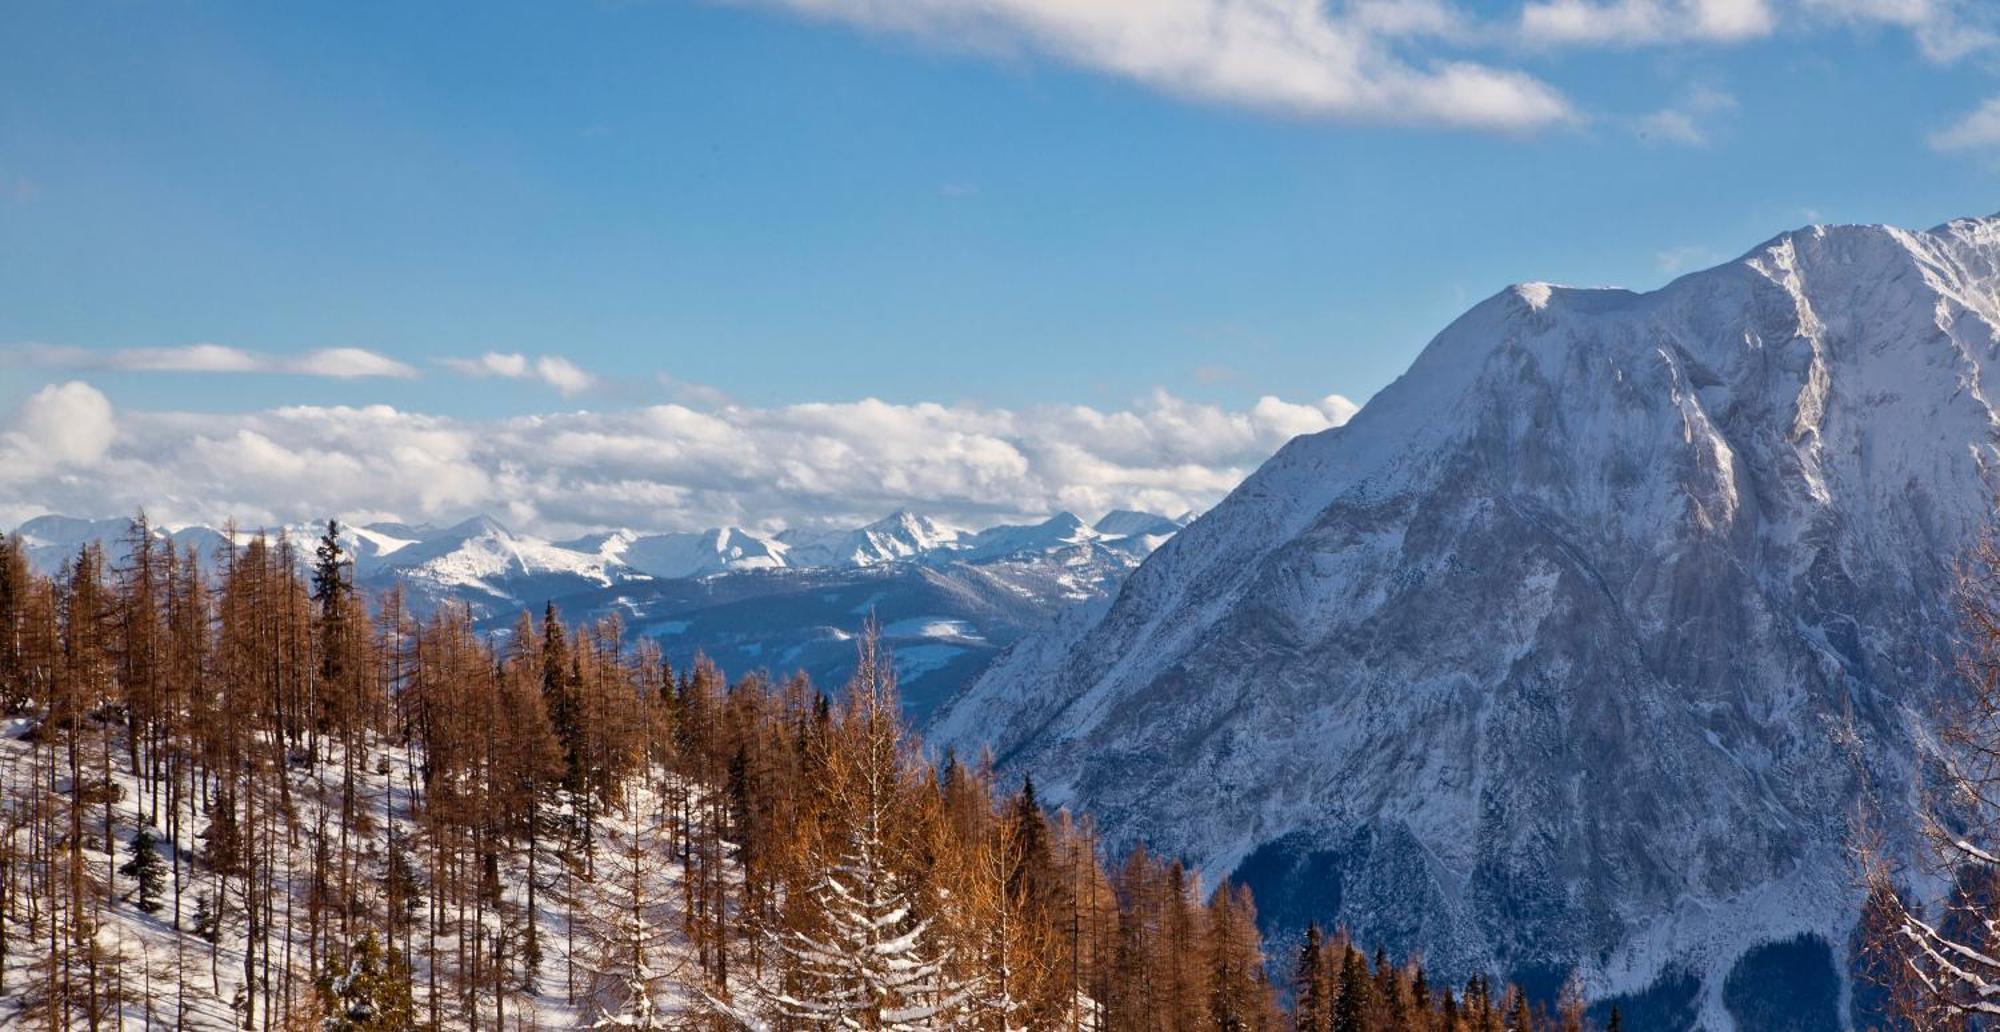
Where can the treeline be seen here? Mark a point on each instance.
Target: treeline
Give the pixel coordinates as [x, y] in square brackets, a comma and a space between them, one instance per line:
[238, 794]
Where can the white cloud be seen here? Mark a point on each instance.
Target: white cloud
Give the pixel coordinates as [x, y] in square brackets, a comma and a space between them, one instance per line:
[1672, 126]
[61, 425]
[1450, 63]
[345, 363]
[1979, 130]
[659, 467]
[562, 374]
[554, 370]
[492, 363]
[1644, 22]
[1945, 30]
[1686, 123]
[1296, 56]
[194, 358]
[337, 363]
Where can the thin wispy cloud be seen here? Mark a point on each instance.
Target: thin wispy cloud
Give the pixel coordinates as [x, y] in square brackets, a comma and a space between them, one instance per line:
[1687, 123]
[1393, 62]
[1645, 22]
[1295, 56]
[334, 363]
[66, 449]
[1945, 30]
[1676, 260]
[1978, 130]
[554, 370]
[346, 364]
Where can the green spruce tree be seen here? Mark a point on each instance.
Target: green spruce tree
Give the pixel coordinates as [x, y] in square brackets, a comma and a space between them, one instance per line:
[203, 923]
[374, 992]
[1354, 1010]
[144, 864]
[1313, 1009]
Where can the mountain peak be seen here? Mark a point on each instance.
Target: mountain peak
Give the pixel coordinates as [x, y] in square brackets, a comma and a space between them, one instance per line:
[477, 526]
[1596, 553]
[1064, 520]
[1127, 522]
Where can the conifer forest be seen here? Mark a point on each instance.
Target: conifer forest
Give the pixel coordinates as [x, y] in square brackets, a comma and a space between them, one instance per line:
[238, 794]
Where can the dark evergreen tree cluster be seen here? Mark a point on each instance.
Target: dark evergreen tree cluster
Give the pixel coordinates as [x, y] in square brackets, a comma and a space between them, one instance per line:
[1336, 988]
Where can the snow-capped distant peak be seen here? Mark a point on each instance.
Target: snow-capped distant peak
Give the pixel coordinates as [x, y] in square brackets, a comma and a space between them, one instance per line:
[700, 553]
[480, 561]
[915, 532]
[1126, 522]
[900, 535]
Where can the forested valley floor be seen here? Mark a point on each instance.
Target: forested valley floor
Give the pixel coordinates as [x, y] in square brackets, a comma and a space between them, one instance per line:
[233, 793]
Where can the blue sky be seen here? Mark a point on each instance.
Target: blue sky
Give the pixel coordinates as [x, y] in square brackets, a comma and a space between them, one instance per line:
[778, 203]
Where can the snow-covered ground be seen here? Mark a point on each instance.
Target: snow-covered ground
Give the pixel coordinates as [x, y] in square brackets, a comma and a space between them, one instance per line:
[163, 971]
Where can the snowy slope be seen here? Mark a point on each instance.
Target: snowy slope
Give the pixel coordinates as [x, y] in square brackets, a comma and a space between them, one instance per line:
[1541, 660]
[168, 972]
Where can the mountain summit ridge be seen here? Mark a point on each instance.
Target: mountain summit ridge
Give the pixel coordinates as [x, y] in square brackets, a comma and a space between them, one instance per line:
[1567, 650]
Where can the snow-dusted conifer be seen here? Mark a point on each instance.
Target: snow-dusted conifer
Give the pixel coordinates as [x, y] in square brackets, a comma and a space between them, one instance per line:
[636, 960]
[1941, 969]
[864, 955]
[373, 992]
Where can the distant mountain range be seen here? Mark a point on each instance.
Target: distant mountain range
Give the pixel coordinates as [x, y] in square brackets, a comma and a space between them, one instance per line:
[948, 599]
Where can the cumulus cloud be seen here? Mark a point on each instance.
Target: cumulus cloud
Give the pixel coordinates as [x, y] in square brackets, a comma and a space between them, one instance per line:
[656, 468]
[1643, 22]
[554, 370]
[1979, 130]
[337, 363]
[1299, 56]
[58, 427]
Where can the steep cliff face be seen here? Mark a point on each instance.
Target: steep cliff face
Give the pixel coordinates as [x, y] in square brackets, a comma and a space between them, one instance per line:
[1579, 643]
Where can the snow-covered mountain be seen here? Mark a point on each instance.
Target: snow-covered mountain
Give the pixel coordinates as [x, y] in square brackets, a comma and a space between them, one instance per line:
[1577, 646]
[945, 610]
[52, 541]
[948, 600]
[479, 560]
[900, 535]
[698, 554]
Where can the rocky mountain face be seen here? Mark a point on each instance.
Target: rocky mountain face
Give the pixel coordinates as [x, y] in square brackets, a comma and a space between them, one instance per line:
[1578, 646]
